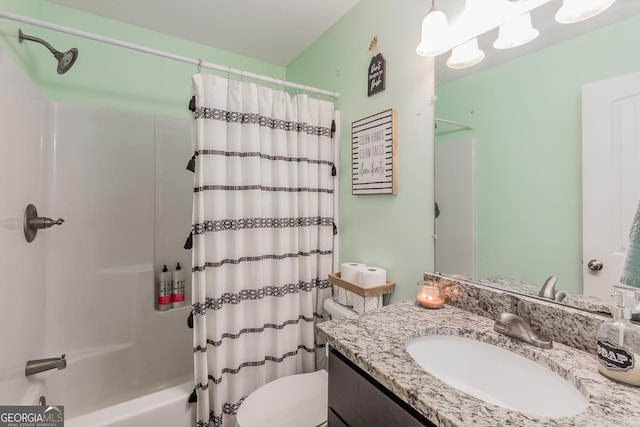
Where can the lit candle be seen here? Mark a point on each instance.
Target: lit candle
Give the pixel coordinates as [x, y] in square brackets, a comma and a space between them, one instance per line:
[429, 295]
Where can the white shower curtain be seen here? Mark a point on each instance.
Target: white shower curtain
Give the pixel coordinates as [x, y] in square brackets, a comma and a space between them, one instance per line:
[262, 238]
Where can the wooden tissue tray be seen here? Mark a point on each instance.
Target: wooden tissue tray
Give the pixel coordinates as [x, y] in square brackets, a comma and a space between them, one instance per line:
[387, 288]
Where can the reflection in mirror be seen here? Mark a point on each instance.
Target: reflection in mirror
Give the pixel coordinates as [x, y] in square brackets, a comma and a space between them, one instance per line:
[526, 116]
[571, 299]
[578, 301]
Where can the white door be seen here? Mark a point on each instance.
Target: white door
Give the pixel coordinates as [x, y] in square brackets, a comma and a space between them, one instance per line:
[455, 235]
[610, 178]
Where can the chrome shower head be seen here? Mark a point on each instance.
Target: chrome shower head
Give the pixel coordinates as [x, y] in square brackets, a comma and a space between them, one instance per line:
[65, 60]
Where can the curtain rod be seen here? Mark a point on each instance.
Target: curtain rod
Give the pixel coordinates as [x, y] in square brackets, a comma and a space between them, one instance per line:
[462, 125]
[197, 62]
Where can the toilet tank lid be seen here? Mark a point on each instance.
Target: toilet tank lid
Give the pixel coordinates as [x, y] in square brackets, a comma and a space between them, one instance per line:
[336, 310]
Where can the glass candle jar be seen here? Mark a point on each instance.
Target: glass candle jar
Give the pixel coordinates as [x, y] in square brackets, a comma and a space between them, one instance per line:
[430, 295]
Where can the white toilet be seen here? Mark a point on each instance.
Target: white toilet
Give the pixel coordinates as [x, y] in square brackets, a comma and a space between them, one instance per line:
[294, 401]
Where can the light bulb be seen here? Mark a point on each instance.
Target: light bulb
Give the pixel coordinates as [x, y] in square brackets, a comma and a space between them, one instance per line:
[515, 32]
[466, 55]
[580, 10]
[435, 34]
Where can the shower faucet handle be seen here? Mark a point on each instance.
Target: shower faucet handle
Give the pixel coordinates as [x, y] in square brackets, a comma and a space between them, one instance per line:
[42, 222]
[32, 222]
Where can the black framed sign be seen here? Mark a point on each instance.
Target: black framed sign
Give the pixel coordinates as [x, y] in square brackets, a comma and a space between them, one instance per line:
[376, 74]
[374, 154]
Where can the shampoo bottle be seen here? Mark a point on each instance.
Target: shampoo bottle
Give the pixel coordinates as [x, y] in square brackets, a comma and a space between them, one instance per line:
[177, 287]
[164, 290]
[619, 345]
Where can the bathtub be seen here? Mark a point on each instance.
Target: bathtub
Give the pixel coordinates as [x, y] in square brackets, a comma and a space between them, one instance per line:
[111, 386]
[165, 408]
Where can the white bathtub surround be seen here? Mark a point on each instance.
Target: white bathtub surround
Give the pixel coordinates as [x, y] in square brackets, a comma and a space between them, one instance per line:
[22, 107]
[104, 171]
[118, 180]
[262, 237]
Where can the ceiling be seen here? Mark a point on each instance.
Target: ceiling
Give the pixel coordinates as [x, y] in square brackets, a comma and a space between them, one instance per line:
[277, 31]
[274, 31]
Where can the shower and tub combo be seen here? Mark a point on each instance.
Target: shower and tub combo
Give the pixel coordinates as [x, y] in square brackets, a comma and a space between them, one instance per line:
[84, 288]
[92, 296]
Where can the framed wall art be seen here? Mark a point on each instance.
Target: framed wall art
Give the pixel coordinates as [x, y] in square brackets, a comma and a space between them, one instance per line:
[374, 154]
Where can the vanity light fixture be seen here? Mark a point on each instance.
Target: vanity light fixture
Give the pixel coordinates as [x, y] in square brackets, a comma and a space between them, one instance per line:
[466, 55]
[512, 17]
[580, 10]
[435, 33]
[515, 32]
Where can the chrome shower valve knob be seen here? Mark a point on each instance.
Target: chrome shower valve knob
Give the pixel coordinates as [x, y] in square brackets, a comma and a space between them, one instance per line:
[32, 222]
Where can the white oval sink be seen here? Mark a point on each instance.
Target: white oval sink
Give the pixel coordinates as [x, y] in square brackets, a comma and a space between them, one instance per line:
[497, 376]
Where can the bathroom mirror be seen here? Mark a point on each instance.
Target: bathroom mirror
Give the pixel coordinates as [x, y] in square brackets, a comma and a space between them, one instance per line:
[526, 149]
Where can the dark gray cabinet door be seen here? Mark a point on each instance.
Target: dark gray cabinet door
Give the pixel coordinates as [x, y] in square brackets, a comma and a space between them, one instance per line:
[334, 419]
[357, 400]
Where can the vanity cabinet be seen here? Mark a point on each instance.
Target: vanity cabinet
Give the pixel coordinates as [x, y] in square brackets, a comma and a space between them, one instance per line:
[358, 400]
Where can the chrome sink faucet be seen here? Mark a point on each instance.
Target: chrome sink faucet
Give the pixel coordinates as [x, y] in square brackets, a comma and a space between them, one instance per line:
[517, 324]
[548, 290]
[41, 365]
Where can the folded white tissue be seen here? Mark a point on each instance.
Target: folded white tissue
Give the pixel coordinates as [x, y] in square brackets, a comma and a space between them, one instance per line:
[370, 277]
[349, 272]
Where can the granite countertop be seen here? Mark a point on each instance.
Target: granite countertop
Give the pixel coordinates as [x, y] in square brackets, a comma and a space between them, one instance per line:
[375, 341]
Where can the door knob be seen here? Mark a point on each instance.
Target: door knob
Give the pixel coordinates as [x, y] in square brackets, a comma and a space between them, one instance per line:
[595, 265]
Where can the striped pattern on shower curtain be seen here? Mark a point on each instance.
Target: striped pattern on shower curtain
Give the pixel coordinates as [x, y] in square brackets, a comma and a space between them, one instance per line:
[263, 216]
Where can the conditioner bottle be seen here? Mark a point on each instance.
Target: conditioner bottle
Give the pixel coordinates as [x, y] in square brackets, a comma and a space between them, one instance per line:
[177, 291]
[164, 290]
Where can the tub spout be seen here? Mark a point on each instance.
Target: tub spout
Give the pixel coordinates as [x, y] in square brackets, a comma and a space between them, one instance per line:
[41, 365]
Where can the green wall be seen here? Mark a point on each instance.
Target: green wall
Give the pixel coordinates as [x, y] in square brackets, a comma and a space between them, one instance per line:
[390, 231]
[527, 119]
[110, 76]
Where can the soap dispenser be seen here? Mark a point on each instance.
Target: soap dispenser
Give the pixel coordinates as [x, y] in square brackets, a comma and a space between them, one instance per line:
[619, 345]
